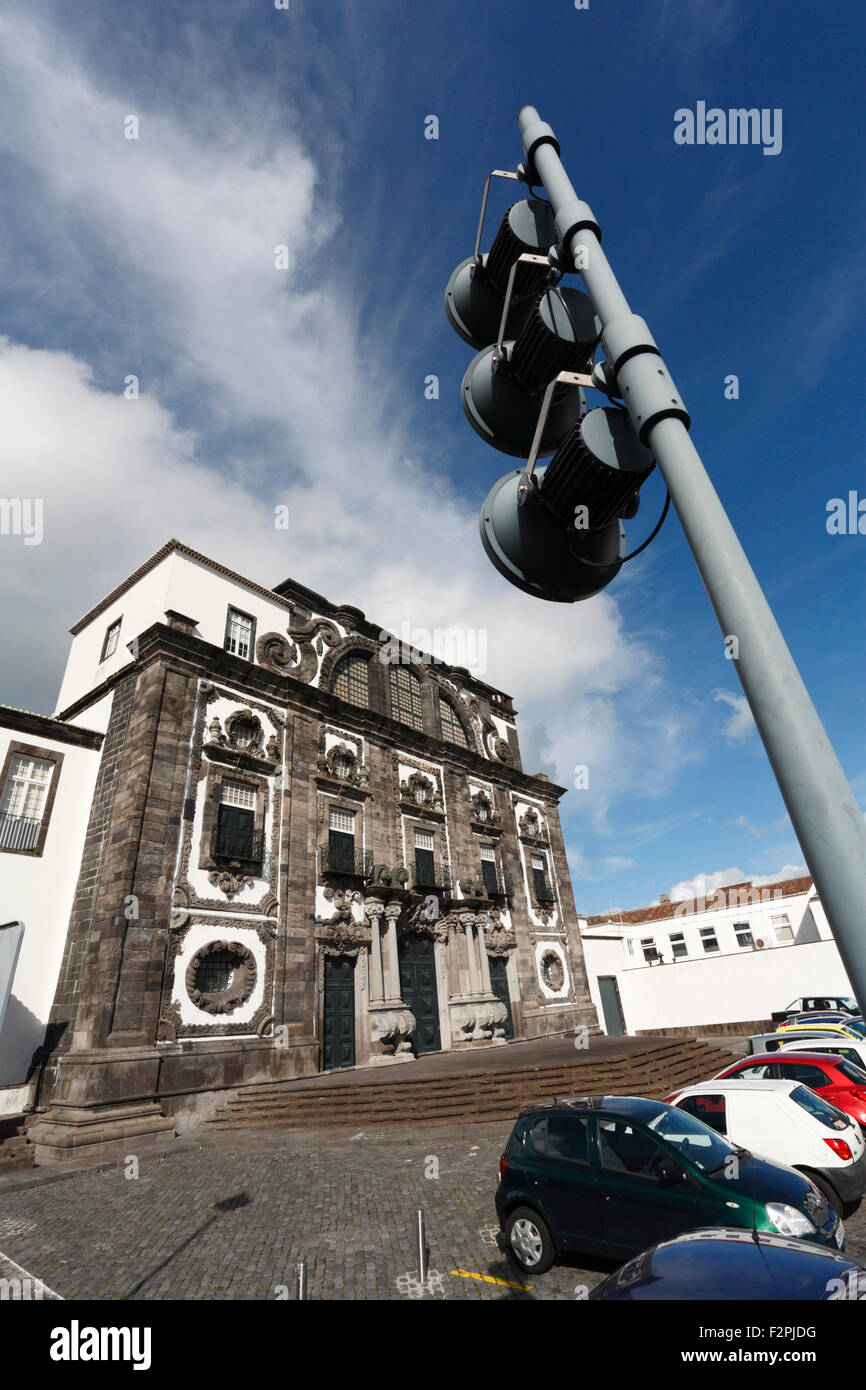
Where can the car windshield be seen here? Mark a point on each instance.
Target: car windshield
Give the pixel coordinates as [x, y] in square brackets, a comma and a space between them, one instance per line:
[827, 1114]
[851, 1072]
[692, 1139]
[857, 1025]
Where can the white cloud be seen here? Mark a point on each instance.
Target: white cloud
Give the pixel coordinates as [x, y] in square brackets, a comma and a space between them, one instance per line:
[704, 885]
[739, 724]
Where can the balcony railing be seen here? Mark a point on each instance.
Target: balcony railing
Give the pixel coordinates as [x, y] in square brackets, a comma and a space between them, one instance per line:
[354, 863]
[246, 846]
[19, 832]
[431, 876]
[500, 886]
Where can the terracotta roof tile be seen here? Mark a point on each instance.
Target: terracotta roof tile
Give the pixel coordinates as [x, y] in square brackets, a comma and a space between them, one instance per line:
[660, 912]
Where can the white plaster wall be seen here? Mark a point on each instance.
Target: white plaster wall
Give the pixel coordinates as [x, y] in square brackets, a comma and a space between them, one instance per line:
[729, 989]
[39, 892]
[805, 922]
[199, 934]
[714, 989]
[178, 582]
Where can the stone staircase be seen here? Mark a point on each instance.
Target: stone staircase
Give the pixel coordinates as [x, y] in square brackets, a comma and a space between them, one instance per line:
[476, 1096]
[15, 1152]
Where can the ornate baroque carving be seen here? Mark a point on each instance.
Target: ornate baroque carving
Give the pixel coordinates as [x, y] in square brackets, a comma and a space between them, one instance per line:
[241, 983]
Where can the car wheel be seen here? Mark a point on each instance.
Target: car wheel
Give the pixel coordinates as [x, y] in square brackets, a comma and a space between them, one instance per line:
[849, 1208]
[828, 1190]
[529, 1242]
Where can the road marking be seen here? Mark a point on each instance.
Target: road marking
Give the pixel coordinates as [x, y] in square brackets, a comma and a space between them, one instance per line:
[25, 1280]
[489, 1279]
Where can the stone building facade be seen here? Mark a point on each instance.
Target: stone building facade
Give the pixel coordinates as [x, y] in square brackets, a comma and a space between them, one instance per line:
[305, 849]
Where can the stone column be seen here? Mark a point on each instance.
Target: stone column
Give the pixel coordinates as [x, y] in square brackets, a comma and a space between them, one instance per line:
[374, 911]
[481, 927]
[392, 976]
[468, 919]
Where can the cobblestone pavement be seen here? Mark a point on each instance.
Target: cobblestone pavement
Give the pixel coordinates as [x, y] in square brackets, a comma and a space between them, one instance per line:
[230, 1217]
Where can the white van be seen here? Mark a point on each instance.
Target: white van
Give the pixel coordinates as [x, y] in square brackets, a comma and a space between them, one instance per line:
[789, 1124]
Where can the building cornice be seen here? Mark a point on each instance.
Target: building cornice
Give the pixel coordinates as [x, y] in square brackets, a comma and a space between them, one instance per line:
[46, 726]
[161, 641]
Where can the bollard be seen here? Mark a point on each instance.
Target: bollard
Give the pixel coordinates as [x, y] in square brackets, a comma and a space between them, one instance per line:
[422, 1249]
[301, 1275]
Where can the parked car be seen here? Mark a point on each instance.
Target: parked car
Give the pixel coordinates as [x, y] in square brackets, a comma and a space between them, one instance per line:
[722, 1262]
[812, 1020]
[614, 1174]
[852, 1022]
[835, 1079]
[813, 1002]
[832, 1047]
[770, 1042]
[787, 1123]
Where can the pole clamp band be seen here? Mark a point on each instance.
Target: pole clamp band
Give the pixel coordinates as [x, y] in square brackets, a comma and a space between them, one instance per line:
[539, 133]
[574, 215]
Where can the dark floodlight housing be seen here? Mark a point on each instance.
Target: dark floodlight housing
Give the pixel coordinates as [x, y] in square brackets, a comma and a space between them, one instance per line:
[475, 293]
[600, 468]
[504, 384]
[530, 546]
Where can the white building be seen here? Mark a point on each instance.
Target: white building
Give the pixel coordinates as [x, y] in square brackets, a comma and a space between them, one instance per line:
[706, 963]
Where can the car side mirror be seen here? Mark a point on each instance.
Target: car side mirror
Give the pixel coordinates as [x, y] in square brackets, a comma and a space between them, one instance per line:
[669, 1173]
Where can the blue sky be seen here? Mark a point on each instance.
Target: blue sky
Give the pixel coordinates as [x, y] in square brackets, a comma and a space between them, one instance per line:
[306, 127]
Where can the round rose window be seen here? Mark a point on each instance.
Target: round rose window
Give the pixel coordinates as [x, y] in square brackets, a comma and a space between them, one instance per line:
[221, 976]
[552, 972]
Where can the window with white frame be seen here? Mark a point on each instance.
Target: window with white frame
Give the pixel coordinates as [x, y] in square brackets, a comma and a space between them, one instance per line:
[239, 634]
[709, 940]
[109, 645]
[23, 801]
[781, 924]
[238, 794]
[648, 946]
[679, 949]
[629, 946]
[743, 933]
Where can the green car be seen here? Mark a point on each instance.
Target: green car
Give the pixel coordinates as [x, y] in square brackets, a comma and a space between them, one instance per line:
[613, 1175]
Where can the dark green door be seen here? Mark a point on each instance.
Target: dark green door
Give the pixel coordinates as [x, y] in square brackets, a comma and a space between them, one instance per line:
[499, 985]
[419, 992]
[339, 1029]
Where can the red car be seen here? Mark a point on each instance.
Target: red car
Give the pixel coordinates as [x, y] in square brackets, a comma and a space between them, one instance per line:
[835, 1078]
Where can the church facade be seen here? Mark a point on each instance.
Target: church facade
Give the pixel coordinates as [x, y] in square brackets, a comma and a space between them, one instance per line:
[297, 848]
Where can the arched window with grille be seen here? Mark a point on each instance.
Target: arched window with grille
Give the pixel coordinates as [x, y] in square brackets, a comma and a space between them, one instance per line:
[406, 698]
[352, 680]
[452, 729]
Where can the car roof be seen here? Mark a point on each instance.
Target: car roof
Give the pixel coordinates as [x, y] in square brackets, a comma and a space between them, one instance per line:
[803, 1055]
[738, 1085]
[639, 1108]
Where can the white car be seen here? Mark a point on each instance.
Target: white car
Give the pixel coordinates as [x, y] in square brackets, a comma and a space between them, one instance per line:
[851, 1050]
[789, 1124]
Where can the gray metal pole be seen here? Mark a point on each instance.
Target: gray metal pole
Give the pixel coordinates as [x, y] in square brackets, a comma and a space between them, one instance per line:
[422, 1249]
[824, 811]
[301, 1273]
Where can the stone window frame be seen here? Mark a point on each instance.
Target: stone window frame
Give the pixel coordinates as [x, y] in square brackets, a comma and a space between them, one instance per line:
[46, 755]
[244, 979]
[436, 828]
[326, 802]
[216, 775]
[364, 647]
[461, 720]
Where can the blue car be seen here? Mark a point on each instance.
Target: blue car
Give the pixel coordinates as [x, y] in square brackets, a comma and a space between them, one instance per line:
[722, 1262]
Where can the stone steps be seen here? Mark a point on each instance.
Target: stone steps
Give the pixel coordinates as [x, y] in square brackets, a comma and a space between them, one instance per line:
[476, 1096]
[15, 1151]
